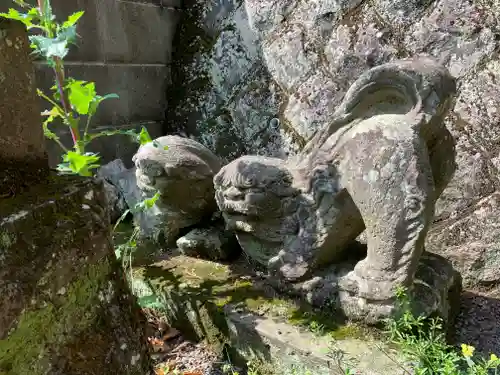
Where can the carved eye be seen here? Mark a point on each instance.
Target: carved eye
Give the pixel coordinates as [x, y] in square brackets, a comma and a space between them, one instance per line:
[234, 194]
[250, 181]
[150, 168]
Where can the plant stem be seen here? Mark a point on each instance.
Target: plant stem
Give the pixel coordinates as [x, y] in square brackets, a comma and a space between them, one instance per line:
[59, 76]
[59, 73]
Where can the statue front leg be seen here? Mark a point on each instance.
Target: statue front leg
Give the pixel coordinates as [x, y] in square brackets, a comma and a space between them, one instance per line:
[390, 180]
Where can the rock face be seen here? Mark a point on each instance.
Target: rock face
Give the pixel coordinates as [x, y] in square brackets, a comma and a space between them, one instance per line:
[181, 170]
[221, 91]
[335, 42]
[380, 164]
[471, 242]
[65, 307]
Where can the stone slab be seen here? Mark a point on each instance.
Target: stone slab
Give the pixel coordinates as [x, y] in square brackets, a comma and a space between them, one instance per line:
[231, 310]
[141, 89]
[287, 347]
[22, 146]
[65, 306]
[119, 31]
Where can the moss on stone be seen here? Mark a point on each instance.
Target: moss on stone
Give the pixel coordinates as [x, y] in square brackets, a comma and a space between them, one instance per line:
[46, 326]
[6, 239]
[195, 41]
[200, 283]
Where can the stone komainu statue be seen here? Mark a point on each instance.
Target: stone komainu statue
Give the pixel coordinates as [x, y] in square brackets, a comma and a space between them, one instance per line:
[182, 171]
[380, 165]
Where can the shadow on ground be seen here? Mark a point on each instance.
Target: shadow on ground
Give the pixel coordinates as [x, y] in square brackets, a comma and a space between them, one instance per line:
[478, 322]
[198, 295]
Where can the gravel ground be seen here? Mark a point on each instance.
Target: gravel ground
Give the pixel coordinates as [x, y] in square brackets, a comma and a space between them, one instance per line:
[170, 352]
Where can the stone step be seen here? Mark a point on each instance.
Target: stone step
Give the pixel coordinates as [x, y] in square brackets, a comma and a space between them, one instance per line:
[237, 314]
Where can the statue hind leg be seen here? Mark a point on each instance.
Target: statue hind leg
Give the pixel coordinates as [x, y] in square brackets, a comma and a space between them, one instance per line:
[390, 180]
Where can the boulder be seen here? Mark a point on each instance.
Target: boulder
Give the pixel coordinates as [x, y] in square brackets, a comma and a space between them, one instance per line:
[66, 307]
[212, 242]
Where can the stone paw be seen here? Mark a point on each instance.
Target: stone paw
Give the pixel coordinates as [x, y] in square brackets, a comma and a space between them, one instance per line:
[288, 266]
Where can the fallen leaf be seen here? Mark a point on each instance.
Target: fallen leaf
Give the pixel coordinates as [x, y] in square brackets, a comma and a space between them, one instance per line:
[172, 333]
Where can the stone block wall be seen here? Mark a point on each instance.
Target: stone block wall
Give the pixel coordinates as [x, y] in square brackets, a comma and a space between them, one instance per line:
[125, 47]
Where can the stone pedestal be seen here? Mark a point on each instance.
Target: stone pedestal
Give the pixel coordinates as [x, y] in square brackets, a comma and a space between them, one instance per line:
[23, 159]
[65, 306]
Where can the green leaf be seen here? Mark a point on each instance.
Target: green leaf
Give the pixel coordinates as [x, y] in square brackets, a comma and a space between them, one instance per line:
[97, 100]
[14, 14]
[148, 203]
[49, 47]
[73, 19]
[54, 47]
[105, 133]
[124, 215]
[81, 95]
[144, 136]
[68, 34]
[33, 12]
[51, 115]
[49, 134]
[47, 11]
[119, 251]
[80, 164]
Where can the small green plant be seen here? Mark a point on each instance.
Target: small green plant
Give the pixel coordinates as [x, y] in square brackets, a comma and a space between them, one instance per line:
[125, 251]
[316, 328]
[74, 102]
[423, 343]
[228, 369]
